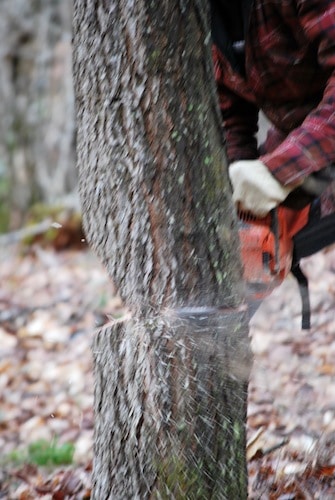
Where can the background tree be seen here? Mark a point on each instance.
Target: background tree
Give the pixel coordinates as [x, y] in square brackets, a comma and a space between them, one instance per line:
[171, 377]
[37, 150]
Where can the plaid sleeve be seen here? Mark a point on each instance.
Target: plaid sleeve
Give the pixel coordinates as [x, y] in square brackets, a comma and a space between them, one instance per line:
[311, 146]
[240, 117]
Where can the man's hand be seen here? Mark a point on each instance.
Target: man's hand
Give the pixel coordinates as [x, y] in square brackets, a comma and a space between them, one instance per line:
[255, 189]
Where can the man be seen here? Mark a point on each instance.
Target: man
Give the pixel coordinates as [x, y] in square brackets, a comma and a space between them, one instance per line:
[277, 56]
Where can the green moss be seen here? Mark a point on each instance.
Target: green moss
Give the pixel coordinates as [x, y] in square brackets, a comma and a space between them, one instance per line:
[41, 211]
[4, 217]
[176, 136]
[208, 160]
[155, 54]
[178, 479]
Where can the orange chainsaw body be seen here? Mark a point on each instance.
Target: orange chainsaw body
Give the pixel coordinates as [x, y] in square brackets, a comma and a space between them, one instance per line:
[266, 247]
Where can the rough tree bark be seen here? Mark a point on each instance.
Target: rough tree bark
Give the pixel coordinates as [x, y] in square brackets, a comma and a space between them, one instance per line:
[171, 377]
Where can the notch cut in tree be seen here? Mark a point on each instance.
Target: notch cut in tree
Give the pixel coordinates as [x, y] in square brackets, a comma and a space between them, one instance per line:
[171, 379]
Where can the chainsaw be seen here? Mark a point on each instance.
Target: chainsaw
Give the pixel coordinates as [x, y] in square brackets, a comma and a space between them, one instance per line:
[271, 248]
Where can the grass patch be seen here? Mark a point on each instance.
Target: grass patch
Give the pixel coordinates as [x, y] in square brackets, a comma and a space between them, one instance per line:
[44, 453]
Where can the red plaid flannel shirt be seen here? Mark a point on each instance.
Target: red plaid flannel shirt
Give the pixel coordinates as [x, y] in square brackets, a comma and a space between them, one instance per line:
[290, 75]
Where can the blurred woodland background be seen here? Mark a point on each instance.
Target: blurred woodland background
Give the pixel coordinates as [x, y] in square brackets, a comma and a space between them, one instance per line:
[37, 131]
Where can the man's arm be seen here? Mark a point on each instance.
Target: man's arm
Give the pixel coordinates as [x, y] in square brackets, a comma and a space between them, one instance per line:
[240, 117]
[254, 188]
[311, 146]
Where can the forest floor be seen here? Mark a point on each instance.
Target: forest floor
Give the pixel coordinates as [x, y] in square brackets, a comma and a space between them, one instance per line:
[50, 304]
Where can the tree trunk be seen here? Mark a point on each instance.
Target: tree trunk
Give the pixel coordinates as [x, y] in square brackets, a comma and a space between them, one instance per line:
[171, 378]
[37, 133]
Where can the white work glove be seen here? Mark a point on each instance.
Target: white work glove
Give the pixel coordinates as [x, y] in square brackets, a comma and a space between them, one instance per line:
[255, 189]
